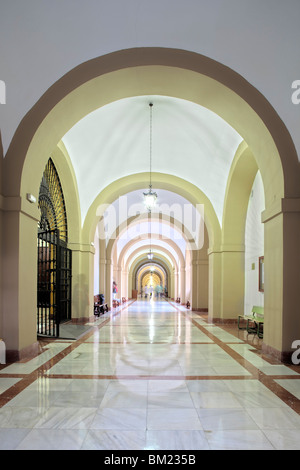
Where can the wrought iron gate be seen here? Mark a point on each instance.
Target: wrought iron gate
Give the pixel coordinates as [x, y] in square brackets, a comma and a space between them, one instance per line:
[54, 283]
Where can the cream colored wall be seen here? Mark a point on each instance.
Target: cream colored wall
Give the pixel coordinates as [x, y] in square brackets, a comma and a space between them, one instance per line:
[19, 325]
[97, 266]
[200, 277]
[282, 255]
[1, 257]
[232, 249]
[188, 276]
[1, 240]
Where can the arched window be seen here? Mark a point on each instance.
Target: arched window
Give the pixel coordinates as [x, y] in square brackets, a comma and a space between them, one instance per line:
[52, 204]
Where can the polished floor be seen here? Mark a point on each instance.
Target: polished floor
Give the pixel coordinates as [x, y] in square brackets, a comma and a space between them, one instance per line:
[150, 375]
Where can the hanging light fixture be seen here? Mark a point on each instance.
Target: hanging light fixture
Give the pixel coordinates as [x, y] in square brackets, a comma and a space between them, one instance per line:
[150, 196]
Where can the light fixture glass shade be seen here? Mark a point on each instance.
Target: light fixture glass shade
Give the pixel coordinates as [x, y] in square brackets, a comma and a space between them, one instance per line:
[150, 199]
[150, 255]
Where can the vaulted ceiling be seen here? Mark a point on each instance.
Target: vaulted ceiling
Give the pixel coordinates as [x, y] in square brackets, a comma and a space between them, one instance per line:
[113, 142]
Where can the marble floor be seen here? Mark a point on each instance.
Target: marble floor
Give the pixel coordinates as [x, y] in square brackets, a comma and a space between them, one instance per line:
[150, 375]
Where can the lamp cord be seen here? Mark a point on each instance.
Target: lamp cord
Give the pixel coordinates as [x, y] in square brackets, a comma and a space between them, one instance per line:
[150, 105]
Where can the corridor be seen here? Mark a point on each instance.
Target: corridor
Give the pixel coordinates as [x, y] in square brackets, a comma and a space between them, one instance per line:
[150, 375]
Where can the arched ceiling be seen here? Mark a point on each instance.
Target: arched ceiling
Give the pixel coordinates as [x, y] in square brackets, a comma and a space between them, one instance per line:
[113, 142]
[158, 254]
[161, 264]
[143, 247]
[157, 230]
[118, 218]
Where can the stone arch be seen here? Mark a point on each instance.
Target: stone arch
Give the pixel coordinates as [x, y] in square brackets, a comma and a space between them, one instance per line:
[170, 242]
[143, 268]
[65, 170]
[160, 180]
[242, 173]
[232, 251]
[161, 256]
[135, 220]
[181, 74]
[146, 71]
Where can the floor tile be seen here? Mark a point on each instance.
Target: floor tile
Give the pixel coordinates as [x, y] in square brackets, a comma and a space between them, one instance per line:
[173, 419]
[214, 419]
[67, 418]
[275, 418]
[50, 439]
[151, 378]
[120, 418]
[6, 383]
[176, 440]
[114, 440]
[238, 440]
[11, 438]
[215, 400]
[284, 439]
[170, 400]
[292, 386]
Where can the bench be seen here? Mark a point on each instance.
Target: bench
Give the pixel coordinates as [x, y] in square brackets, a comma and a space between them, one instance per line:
[254, 321]
[99, 307]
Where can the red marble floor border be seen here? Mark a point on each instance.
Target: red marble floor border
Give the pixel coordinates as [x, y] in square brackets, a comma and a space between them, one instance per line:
[269, 381]
[154, 342]
[149, 377]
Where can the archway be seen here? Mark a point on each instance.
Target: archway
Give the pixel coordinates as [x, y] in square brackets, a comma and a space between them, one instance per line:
[161, 258]
[149, 266]
[185, 75]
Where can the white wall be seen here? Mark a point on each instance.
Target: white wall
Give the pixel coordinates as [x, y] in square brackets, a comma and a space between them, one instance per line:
[254, 241]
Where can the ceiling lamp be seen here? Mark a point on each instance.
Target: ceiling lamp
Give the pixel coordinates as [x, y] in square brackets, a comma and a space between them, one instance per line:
[150, 196]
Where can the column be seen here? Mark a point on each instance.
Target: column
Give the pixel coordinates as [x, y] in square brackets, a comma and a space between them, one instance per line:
[19, 277]
[282, 279]
[171, 293]
[102, 275]
[232, 281]
[102, 266]
[214, 283]
[182, 286]
[108, 283]
[199, 285]
[82, 281]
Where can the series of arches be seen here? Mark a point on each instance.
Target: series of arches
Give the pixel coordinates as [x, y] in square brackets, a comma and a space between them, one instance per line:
[266, 146]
